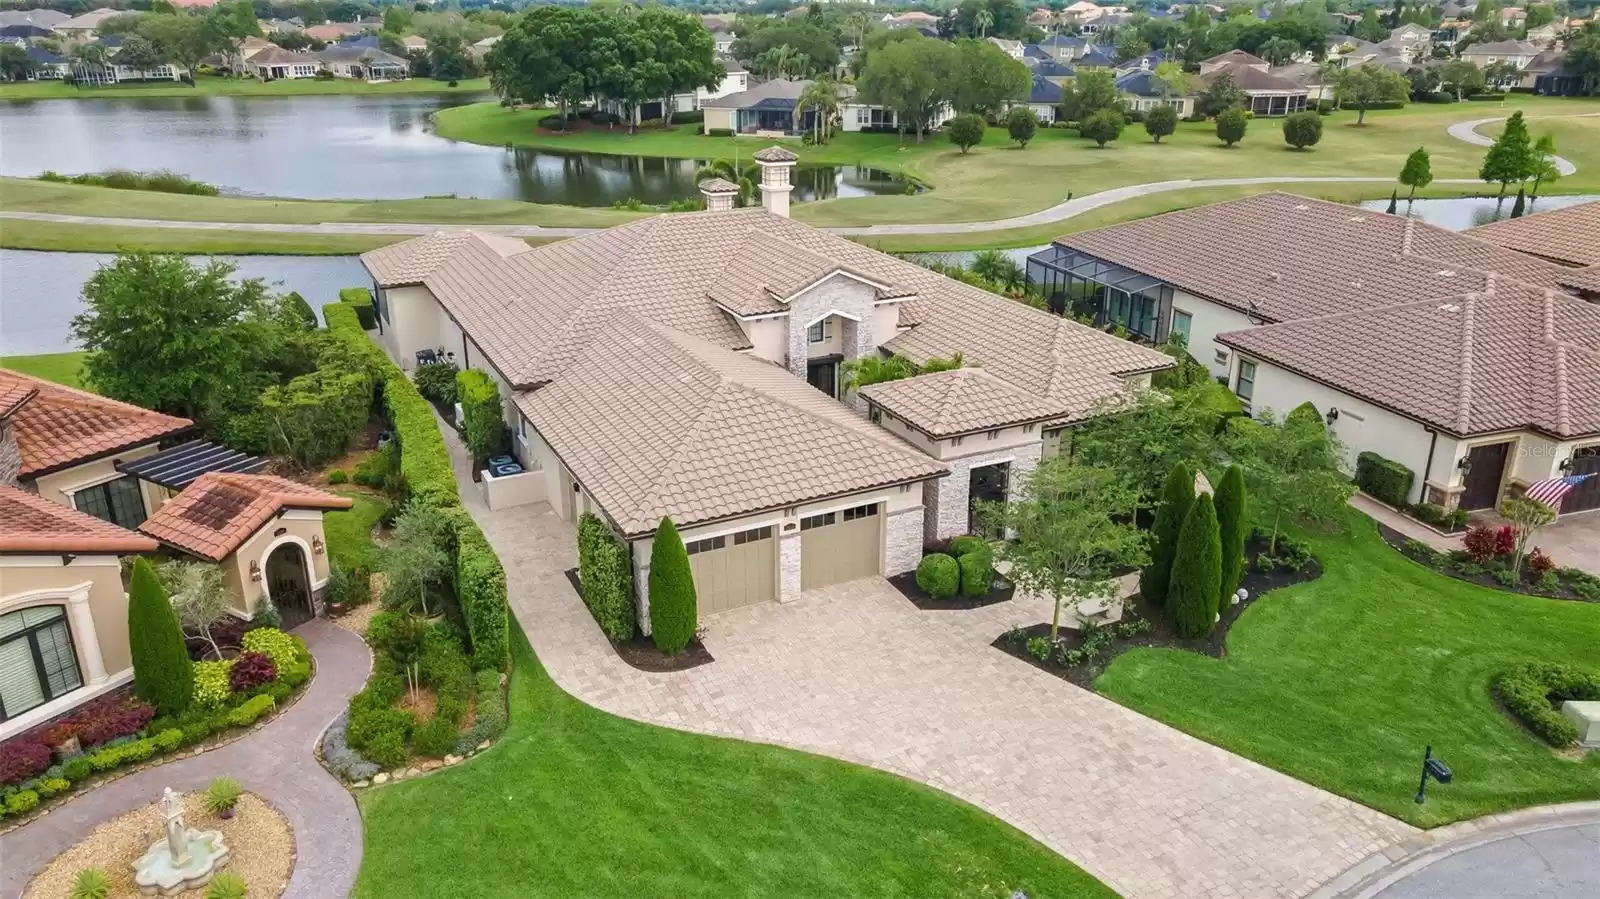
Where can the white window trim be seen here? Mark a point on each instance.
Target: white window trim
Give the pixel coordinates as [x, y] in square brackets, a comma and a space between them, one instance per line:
[85, 643]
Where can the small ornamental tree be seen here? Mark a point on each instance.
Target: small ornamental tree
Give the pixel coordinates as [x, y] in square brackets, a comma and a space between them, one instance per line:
[1160, 121]
[1022, 124]
[1417, 173]
[1510, 157]
[199, 595]
[1231, 125]
[1177, 495]
[162, 673]
[1527, 516]
[674, 612]
[1102, 126]
[1232, 528]
[1196, 571]
[1303, 129]
[966, 131]
[1294, 471]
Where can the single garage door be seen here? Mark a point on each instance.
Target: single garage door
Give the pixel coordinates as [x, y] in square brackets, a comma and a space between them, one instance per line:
[840, 546]
[734, 569]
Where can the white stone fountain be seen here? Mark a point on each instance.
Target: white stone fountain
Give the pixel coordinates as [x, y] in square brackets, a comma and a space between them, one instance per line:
[183, 859]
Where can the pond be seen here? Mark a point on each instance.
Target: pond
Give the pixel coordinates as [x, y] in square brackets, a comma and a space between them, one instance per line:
[376, 147]
[1469, 212]
[41, 292]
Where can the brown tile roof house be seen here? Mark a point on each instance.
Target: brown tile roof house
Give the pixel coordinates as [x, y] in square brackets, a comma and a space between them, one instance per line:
[655, 422]
[1569, 235]
[944, 404]
[217, 513]
[57, 426]
[29, 523]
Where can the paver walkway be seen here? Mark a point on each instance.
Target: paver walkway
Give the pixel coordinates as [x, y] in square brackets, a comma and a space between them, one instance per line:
[856, 672]
[277, 762]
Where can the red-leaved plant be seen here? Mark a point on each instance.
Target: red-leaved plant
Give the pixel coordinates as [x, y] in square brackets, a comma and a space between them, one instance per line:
[23, 758]
[1484, 543]
[1538, 563]
[251, 670]
[110, 718]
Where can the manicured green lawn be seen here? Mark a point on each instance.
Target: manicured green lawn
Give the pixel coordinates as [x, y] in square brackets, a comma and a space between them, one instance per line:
[1343, 681]
[998, 180]
[577, 802]
[62, 368]
[212, 85]
[350, 531]
[16, 234]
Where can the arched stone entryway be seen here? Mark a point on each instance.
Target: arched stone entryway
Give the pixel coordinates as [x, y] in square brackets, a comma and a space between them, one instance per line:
[288, 580]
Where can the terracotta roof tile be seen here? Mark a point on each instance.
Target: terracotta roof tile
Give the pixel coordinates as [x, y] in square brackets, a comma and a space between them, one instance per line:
[217, 513]
[57, 426]
[1569, 235]
[655, 422]
[29, 523]
[961, 401]
[1513, 357]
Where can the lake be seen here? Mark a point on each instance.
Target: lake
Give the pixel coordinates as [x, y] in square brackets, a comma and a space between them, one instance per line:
[41, 292]
[349, 147]
[1459, 213]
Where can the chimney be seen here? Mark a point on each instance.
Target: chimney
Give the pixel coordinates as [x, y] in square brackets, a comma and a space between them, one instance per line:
[719, 194]
[775, 164]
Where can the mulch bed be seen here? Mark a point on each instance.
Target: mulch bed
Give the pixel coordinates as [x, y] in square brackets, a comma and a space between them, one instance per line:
[1215, 644]
[642, 654]
[1000, 591]
[1442, 563]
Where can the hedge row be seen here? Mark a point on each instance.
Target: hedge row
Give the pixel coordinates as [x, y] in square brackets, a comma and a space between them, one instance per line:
[425, 468]
[1384, 479]
[1533, 694]
[606, 576]
[361, 300]
[483, 413]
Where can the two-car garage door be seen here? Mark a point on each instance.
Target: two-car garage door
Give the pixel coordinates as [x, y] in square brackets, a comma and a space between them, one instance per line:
[739, 569]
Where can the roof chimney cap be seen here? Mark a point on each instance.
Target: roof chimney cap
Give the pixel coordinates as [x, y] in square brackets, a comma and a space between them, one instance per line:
[774, 154]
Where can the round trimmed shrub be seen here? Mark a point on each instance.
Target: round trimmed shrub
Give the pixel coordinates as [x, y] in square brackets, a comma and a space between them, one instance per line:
[1533, 693]
[966, 543]
[977, 572]
[939, 575]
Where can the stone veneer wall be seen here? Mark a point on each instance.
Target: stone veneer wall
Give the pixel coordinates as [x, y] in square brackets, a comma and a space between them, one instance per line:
[789, 566]
[946, 498]
[902, 543]
[843, 295]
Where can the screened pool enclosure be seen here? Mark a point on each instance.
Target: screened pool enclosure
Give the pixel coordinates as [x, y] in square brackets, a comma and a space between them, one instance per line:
[1075, 283]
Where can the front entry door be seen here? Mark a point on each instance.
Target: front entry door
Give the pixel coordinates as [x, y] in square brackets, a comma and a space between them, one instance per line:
[824, 376]
[1486, 466]
[986, 484]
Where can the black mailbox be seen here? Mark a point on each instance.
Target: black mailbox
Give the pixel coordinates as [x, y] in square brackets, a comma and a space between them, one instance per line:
[1439, 771]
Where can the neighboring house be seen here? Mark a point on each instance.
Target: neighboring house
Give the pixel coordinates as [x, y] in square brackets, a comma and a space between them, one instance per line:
[329, 32]
[1096, 57]
[722, 41]
[115, 73]
[265, 532]
[1318, 84]
[22, 35]
[1517, 53]
[734, 80]
[913, 19]
[481, 49]
[63, 612]
[1473, 365]
[768, 107]
[47, 66]
[414, 43]
[1010, 48]
[69, 444]
[1044, 95]
[277, 64]
[1351, 52]
[1544, 35]
[690, 366]
[1141, 91]
[1051, 69]
[86, 26]
[1265, 94]
[1144, 63]
[1064, 47]
[43, 18]
[1413, 40]
[363, 63]
[1547, 74]
[1232, 59]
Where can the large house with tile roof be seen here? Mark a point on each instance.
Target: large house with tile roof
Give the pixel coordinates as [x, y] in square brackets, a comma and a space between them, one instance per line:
[85, 481]
[693, 366]
[1474, 365]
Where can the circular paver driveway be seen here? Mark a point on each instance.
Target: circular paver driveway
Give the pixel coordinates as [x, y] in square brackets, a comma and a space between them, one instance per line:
[1560, 863]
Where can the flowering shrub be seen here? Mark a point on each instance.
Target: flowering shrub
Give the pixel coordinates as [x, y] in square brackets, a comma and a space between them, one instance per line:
[110, 718]
[1539, 563]
[274, 644]
[1484, 543]
[211, 683]
[251, 670]
[22, 758]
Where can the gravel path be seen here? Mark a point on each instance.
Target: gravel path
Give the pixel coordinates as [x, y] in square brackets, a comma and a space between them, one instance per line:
[277, 762]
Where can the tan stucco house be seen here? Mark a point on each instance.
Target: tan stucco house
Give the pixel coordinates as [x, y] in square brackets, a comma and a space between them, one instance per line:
[691, 365]
[63, 612]
[1474, 365]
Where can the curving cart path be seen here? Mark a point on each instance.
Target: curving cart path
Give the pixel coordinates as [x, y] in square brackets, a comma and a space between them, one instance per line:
[277, 762]
[1468, 131]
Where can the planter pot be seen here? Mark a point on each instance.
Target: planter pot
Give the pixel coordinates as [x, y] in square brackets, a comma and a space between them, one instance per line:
[335, 609]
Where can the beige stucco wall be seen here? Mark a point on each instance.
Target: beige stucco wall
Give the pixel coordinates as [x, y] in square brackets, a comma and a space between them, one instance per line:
[769, 337]
[718, 118]
[988, 441]
[1208, 320]
[59, 486]
[298, 525]
[413, 324]
[27, 581]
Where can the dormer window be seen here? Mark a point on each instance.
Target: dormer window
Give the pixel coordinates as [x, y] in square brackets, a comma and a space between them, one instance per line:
[820, 332]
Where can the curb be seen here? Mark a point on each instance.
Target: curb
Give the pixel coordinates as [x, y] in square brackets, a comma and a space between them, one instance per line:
[1382, 869]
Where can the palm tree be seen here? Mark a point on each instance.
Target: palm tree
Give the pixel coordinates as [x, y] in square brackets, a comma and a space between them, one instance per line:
[857, 23]
[984, 19]
[1327, 70]
[775, 62]
[822, 97]
[727, 170]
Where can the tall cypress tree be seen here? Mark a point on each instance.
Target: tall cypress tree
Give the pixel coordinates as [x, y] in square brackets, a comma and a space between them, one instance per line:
[1521, 204]
[674, 611]
[1177, 493]
[162, 672]
[1231, 529]
[1197, 571]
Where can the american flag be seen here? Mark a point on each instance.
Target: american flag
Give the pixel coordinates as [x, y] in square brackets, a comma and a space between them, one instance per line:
[1552, 490]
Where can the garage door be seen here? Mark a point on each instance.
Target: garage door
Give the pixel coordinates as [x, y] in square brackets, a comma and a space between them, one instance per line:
[734, 569]
[1586, 495]
[840, 546]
